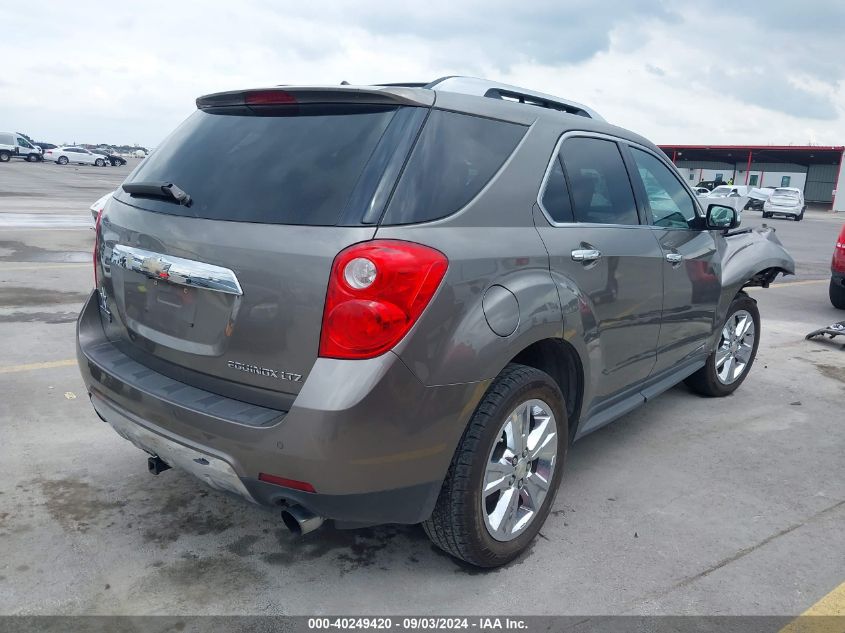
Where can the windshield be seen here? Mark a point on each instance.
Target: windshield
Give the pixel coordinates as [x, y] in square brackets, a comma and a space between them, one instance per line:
[786, 193]
[720, 191]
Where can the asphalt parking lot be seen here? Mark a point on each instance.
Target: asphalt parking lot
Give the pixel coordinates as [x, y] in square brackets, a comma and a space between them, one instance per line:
[685, 506]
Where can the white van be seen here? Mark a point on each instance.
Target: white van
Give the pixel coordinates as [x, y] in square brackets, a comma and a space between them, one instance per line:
[13, 144]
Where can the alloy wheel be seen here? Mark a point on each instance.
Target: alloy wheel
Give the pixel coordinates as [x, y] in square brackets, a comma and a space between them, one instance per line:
[519, 470]
[735, 347]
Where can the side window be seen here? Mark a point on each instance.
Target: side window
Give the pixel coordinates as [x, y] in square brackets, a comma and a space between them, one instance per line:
[23, 143]
[556, 196]
[601, 190]
[669, 202]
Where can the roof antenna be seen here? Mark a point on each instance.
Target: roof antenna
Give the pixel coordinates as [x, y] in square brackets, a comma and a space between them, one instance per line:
[345, 83]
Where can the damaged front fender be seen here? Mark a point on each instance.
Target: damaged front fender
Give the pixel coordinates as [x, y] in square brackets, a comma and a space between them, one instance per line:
[751, 257]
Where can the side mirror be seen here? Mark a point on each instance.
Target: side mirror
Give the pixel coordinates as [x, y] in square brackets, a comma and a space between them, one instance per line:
[720, 217]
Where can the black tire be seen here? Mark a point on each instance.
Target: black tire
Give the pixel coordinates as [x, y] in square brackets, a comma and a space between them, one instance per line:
[837, 295]
[457, 525]
[705, 381]
[766, 215]
[62, 160]
[5, 157]
[31, 158]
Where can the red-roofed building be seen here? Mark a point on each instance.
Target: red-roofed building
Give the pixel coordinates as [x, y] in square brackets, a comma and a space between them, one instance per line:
[815, 169]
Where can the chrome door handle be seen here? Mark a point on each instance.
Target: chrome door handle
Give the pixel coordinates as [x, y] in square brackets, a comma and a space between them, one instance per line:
[674, 258]
[586, 255]
[176, 270]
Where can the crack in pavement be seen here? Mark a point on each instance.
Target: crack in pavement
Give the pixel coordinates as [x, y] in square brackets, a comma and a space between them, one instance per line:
[745, 551]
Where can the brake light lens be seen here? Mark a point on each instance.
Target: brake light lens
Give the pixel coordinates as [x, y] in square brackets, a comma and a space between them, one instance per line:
[377, 291]
[268, 97]
[97, 243]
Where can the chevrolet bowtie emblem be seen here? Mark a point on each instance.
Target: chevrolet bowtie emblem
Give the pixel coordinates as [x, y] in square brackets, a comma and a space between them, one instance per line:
[155, 267]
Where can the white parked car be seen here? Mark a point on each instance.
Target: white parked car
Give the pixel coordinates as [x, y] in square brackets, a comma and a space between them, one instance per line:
[701, 191]
[787, 201]
[79, 155]
[735, 196]
[757, 197]
[729, 191]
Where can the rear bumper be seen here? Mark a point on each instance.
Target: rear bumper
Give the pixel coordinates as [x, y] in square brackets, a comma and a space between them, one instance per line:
[795, 211]
[372, 440]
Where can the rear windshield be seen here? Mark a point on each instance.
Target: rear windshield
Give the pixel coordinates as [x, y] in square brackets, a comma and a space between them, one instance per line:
[278, 167]
[786, 193]
[455, 156]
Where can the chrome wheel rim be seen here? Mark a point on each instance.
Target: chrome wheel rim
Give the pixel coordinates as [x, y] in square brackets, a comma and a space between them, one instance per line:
[735, 347]
[519, 470]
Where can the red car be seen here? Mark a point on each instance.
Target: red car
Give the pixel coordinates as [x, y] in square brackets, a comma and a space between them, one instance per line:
[837, 272]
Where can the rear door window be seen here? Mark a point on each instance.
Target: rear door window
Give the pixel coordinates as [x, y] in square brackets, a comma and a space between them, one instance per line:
[280, 166]
[555, 199]
[599, 185]
[454, 158]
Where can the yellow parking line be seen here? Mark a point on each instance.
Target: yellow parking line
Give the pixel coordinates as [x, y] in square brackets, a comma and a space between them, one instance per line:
[793, 283]
[828, 615]
[50, 364]
[44, 266]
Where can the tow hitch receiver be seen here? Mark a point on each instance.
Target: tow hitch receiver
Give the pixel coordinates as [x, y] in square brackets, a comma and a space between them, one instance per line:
[156, 465]
[835, 329]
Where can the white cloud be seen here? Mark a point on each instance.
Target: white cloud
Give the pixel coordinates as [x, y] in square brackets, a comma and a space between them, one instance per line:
[719, 73]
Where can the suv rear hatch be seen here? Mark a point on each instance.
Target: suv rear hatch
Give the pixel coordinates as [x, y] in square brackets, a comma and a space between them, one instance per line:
[214, 257]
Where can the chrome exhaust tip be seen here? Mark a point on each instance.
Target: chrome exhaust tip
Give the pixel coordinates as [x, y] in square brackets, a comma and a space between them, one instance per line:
[300, 521]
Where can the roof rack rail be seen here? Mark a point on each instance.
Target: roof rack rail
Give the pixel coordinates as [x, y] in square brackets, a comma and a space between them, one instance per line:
[494, 90]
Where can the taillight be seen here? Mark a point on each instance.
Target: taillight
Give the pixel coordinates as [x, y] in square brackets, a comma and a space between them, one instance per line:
[377, 291]
[838, 261]
[97, 243]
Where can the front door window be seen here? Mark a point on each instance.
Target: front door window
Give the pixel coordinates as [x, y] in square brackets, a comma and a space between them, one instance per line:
[671, 206]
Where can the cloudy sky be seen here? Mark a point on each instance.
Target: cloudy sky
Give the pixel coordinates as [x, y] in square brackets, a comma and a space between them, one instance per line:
[678, 72]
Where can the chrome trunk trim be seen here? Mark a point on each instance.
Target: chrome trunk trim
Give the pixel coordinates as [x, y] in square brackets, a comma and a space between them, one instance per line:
[176, 270]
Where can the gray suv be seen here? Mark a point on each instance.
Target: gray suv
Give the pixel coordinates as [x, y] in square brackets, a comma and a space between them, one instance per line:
[403, 303]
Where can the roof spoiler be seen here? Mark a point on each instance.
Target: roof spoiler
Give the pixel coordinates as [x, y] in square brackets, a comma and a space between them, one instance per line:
[299, 95]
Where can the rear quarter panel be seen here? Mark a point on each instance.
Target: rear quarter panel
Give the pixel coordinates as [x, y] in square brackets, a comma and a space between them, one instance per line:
[490, 241]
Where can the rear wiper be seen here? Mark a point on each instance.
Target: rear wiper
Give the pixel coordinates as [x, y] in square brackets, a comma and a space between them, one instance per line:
[164, 190]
